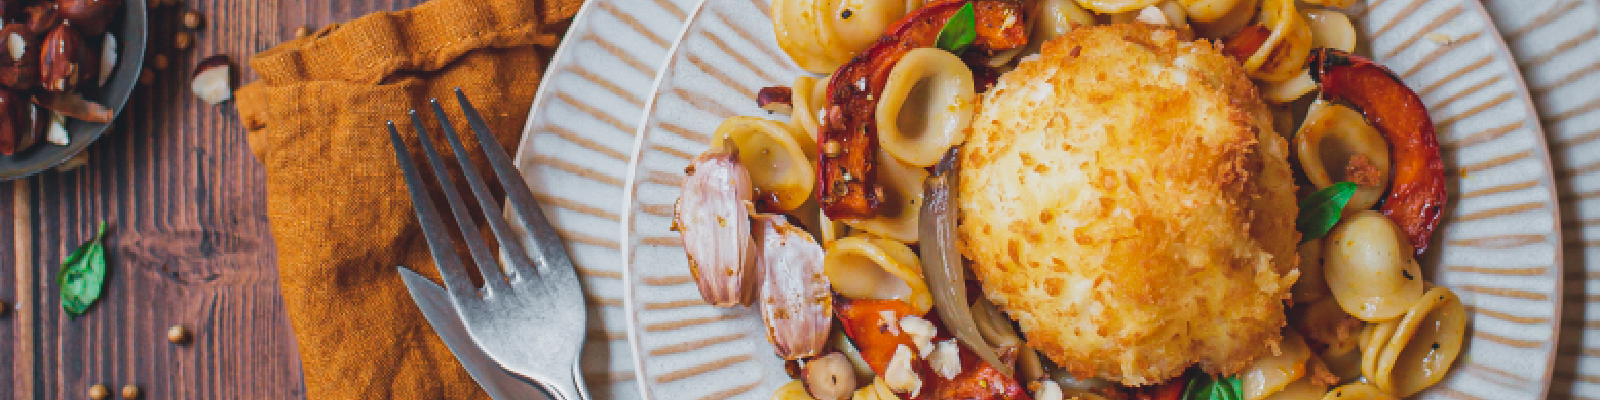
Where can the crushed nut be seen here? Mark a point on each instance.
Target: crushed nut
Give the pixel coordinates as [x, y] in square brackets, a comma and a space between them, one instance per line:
[776, 99]
[1440, 38]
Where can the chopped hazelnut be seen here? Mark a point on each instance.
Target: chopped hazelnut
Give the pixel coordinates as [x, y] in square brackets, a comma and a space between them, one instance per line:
[775, 99]
[191, 19]
[159, 62]
[177, 334]
[99, 392]
[130, 392]
[182, 40]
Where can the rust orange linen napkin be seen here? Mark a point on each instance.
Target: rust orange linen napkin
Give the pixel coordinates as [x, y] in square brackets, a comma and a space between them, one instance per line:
[336, 200]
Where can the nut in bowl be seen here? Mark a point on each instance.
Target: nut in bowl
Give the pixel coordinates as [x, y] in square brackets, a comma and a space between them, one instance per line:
[86, 58]
[1130, 210]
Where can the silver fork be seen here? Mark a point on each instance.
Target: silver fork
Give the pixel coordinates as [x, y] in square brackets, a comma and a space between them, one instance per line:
[530, 317]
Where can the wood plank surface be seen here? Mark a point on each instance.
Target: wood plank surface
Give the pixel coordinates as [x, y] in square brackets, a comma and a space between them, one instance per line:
[189, 242]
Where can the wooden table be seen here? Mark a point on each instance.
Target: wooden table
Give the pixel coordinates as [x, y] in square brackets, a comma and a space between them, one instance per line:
[189, 246]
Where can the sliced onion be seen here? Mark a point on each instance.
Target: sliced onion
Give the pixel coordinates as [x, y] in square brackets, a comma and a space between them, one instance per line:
[941, 262]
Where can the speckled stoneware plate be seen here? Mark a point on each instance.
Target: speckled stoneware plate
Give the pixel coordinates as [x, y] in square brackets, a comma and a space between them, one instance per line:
[1497, 248]
[129, 29]
[574, 154]
[1557, 45]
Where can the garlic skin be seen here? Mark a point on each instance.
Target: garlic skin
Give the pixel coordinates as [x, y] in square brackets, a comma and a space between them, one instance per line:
[713, 216]
[796, 299]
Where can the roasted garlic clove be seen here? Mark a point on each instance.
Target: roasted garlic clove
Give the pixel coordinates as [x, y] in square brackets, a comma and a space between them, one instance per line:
[62, 59]
[713, 216]
[796, 299]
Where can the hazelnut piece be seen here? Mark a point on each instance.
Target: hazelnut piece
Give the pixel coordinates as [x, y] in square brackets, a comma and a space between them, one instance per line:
[191, 19]
[90, 16]
[177, 334]
[182, 40]
[19, 57]
[130, 392]
[776, 99]
[99, 392]
[61, 61]
[42, 18]
[14, 120]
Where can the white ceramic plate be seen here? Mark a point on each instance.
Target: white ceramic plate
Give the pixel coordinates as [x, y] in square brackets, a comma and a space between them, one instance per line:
[1558, 48]
[1497, 248]
[574, 154]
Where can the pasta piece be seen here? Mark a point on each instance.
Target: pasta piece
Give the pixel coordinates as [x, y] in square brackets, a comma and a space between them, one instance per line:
[793, 28]
[1209, 10]
[794, 390]
[1054, 18]
[779, 169]
[868, 268]
[1373, 340]
[902, 201]
[1285, 52]
[1289, 90]
[1273, 373]
[1326, 327]
[1328, 145]
[804, 116]
[926, 106]
[1302, 389]
[858, 23]
[1346, 366]
[1311, 286]
[1219, 21]
[1115, 6]
[1357, 391]
[1369, 268]
[1331, 28]
[1425, 343]
[1331, 3]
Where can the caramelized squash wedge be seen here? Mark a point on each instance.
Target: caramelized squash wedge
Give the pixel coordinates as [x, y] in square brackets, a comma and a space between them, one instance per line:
[1417, 193]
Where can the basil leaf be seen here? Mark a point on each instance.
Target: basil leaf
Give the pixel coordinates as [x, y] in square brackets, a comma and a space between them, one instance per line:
[1321, 210]
[82, 275]
[960, 31]
[1205, 387]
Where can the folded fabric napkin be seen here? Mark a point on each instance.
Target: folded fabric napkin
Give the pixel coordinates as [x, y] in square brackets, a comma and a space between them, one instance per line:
[336, 200]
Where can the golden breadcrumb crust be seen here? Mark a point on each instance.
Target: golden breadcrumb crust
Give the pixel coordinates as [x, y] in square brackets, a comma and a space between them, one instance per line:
[1124, 197]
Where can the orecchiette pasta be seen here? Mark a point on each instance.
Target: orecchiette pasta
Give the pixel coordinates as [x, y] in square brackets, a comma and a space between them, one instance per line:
[821, 35]
[1115, 6]
[926, 106]
[779, 168]
[1373, 340]
[1331, 29]
[804, 116]
[1357, 391]
[1425, 343]
[864, 267]
[1284, 53]
[1273, 373]
[794, 390]
[1331, 3]
[1209, 10]
[1346, 366]
[1328, 144]
[902, 201]
[1326, 327]
[1220, 21]
[1303, 389]
[1369, 268]
[1289, 90]
[1311, 286]
[858, 23]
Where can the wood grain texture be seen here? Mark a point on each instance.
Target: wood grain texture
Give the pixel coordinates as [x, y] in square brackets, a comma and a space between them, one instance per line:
[189, 242]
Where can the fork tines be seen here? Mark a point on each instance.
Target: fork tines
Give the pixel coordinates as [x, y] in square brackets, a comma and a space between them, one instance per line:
[520, 263]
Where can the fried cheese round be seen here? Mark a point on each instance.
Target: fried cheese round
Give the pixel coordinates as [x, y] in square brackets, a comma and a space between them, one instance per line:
[1124, 197]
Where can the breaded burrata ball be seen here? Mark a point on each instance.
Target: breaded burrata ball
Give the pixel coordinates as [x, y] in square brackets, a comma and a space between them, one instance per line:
[1124, 198]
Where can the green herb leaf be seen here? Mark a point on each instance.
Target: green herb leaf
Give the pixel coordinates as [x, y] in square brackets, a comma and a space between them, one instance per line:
[960, 31]
[1321, 210]
[1205, 387]
[82, 275]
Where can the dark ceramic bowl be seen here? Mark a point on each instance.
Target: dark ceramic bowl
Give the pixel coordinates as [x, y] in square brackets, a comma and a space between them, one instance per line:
[130, 33]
